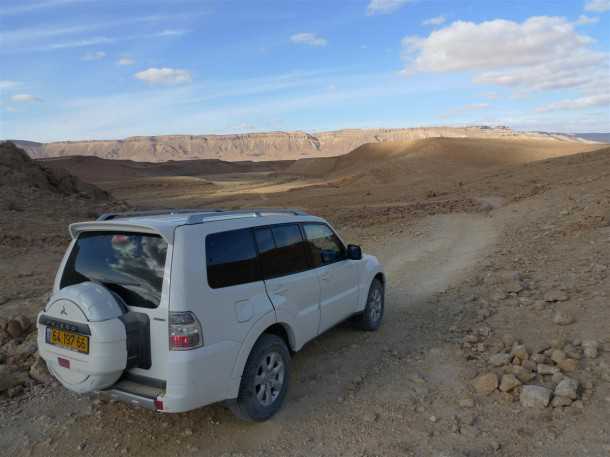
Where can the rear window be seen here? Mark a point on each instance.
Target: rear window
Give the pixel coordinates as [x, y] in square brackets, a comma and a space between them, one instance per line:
[282, 250]
[231, 258]
[129, 264]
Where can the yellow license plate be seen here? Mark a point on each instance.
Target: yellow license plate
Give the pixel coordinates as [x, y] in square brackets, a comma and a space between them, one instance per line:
[69, 340]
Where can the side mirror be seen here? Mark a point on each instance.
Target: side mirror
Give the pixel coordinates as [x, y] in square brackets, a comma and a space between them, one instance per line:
[354, 252]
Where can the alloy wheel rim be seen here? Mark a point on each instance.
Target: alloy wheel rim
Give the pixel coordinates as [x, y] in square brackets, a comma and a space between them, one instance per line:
[269, 378]
[376, 304]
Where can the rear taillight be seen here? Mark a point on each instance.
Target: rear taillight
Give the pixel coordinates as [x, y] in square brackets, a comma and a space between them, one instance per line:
[184, 331]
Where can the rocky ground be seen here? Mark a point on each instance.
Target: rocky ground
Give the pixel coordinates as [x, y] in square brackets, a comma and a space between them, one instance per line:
[496, 340]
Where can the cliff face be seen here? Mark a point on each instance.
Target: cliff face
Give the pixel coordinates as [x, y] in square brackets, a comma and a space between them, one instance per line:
[262, 146]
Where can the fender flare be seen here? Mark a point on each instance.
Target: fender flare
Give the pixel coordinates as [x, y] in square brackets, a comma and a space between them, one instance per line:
[260, 327]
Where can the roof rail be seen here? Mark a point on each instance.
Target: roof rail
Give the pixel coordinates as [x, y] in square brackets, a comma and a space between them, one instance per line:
[156, 212]
[239, 213]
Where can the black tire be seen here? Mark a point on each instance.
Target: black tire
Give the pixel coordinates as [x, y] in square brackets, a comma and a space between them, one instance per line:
[252, 404]
[370, 319]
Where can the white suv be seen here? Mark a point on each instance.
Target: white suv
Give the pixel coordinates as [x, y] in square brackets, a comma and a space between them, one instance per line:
[176, 310]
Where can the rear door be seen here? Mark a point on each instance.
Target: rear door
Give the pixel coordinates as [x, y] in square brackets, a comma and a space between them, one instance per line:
[292, 285]
[338, 275]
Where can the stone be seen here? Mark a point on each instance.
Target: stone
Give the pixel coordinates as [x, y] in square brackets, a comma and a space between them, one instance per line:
[558, 355]
[486, 383]
[568, 388]
[555, 295]
[509, 382]
[520, 351]
[524, 375]
[590, 349]
[497, 360]
[568, 365]
[529, 365]
[10, 378]
[538, 358]
[547, 369]
[508, 340]
[39, 371]
[561, 402]
[563, 318]
[25, 322]
[13, 328]
[557, 378]
[572, 352]
[535, 396]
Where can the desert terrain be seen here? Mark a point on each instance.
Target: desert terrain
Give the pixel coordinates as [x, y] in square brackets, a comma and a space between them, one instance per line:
[496, 337]
[265, 145]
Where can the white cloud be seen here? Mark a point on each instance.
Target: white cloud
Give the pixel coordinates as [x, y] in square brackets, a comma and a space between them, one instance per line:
[490, 95]
[438, 20]
[598, 6]
[164, 76]
[577, 103]
[385, 6]
[541, 53]
[6, 84]
[586, 20]
[28, 7]
[171, 32]
[98, 55]
[25, 98]
[308, 38]
[125, 61]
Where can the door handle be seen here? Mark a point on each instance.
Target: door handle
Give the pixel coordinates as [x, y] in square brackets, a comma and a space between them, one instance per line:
[324, 276]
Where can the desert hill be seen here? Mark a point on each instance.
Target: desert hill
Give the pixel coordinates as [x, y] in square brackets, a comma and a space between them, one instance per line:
[95, 169]
[390, 161]
[265, 146]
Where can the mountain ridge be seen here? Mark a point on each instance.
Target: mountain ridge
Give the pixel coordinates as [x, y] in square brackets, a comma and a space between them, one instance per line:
[263, 146]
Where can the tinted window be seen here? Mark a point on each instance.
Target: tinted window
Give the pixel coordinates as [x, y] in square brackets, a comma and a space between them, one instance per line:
[324, 246]
[129, 264]
[231, 258]
[282, 250]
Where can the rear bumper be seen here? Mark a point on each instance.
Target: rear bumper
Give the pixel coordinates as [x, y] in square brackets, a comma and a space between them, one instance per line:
[131, 398]
[195, 378]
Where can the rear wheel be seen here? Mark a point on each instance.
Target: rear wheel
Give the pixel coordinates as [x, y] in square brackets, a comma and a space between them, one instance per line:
[264, 382]
[370, 319]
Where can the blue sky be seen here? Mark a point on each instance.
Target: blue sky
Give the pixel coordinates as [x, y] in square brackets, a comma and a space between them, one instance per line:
[95, 69]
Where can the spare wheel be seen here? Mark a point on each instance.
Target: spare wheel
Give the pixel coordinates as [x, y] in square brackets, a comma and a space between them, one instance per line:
[88, 338]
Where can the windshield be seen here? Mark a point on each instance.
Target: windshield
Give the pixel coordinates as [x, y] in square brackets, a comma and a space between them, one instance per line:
[129, 264]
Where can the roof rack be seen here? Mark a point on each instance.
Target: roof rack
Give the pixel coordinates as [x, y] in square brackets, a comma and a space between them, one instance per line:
[156, 212]
[239, 213]
[198, 216]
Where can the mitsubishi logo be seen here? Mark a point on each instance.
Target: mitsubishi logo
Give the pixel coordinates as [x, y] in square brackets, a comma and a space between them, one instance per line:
[63, 311]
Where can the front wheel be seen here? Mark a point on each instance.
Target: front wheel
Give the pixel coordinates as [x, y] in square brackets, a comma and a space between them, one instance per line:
[370, 319]
[264, 382]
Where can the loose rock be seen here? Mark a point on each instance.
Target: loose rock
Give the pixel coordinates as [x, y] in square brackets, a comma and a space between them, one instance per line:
[486, 383]
[568, 365]
[535, 396]
[14, 329]
[568, 388]
[497, 360]
[509, 382]
[590, 349]
[563, 318]
[39, 371]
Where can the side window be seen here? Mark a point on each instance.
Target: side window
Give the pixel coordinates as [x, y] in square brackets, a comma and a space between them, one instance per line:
[324, 246]
[231, 258]
[282, 250]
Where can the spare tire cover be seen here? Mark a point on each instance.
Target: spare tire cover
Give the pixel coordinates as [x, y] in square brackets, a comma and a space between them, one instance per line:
[90, 310]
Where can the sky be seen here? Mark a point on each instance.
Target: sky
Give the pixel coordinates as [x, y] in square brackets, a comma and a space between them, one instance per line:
[109, 69]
